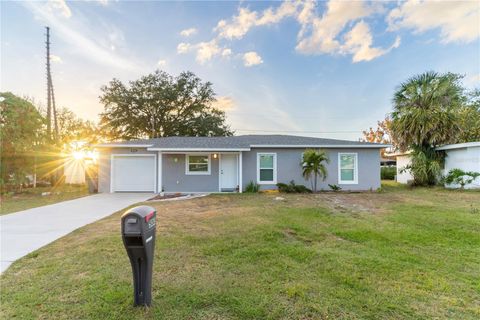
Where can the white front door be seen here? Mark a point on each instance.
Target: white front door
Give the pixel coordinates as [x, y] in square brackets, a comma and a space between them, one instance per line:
[228, 172]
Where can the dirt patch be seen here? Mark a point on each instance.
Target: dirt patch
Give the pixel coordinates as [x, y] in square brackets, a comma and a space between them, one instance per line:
[166, 196]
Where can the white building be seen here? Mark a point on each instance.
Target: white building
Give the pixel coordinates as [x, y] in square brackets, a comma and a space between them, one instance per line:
[463, 156]
[403, 175]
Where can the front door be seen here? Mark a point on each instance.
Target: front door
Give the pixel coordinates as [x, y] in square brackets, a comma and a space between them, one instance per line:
[228, 172]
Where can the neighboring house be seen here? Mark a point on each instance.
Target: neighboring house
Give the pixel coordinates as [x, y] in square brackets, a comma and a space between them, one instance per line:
[229, 164]
[464, 156]
[403, 159]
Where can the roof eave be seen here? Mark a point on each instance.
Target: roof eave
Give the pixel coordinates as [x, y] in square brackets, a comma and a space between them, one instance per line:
[459, 146]
[198, 149]
[123, 145]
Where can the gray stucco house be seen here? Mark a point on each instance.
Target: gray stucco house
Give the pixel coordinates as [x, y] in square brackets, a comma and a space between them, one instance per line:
[228, 164]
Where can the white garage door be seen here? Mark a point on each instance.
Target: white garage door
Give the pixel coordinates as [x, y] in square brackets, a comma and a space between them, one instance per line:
[133, 173]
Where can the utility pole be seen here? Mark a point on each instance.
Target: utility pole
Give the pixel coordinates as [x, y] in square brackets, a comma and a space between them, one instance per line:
[50, 96]
[49, 92]
[51, 111]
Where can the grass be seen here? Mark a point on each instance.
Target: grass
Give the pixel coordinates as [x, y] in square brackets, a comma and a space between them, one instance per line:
[32, 197]
[400, 253]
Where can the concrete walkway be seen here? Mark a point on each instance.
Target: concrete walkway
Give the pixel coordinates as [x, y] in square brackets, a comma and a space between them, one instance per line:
[25, 231]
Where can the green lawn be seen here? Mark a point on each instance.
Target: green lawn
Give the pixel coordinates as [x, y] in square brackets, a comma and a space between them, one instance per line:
[32, 197]
[398, 253]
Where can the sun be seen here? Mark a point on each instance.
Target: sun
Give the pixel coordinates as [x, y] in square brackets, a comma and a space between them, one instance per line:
[78, 155]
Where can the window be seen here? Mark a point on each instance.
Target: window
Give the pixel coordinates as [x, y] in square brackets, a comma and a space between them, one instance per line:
[197, 164]
[347, 168]
[267, 168]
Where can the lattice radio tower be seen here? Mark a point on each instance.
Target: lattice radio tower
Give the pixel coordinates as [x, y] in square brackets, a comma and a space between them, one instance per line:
[50, 96]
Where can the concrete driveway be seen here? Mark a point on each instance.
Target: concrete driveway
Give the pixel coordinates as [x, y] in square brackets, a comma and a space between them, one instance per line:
[25, 231]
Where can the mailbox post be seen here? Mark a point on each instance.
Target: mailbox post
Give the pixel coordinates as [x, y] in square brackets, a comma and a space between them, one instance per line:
[138, 234]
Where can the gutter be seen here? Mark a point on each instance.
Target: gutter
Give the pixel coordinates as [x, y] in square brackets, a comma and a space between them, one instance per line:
[198, 149]
[122, 145]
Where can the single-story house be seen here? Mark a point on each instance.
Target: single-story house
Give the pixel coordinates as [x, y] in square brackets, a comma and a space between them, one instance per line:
[229, 164]
[403, 159]
[464, 156]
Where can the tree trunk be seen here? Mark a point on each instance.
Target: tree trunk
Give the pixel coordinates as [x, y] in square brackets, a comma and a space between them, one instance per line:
[315, 183]
[35, 170]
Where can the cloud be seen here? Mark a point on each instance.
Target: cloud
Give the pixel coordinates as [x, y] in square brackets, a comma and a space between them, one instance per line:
[224, 103]
[342, 29]
[251, 59]
[272, 16]
[239, 26]
[85, 46]
[188, 32]
[206, 51]
[320, 33]
[358, 42]
[226, 52]
[55, 59]
[59, 6]
[183, 47]
[458, 21]
[162, 63]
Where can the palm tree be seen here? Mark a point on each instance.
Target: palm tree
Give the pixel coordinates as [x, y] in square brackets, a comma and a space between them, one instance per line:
[425, 116]
[313, 164]
[425, 110]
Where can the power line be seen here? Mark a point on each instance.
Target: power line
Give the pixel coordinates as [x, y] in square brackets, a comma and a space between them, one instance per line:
[294, 131]
[312, 116]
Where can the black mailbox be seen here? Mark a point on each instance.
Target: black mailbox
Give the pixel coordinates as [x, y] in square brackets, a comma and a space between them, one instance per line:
[138, 233]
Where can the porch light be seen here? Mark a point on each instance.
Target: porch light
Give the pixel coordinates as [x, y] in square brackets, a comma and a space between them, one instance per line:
[215, 156]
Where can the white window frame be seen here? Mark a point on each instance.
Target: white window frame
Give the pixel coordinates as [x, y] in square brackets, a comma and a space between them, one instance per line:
[274, 181]
[355, 169]
[197, 173]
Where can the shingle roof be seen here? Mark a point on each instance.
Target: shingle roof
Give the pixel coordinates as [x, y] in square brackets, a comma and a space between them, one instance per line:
[240, 142]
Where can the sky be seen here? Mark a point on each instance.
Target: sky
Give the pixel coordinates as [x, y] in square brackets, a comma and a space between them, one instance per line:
[324, 69]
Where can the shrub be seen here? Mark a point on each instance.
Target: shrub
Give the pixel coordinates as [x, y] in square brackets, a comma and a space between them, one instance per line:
[388, 173]
[458, 176]
[293, 188]
[334, 187]
[252, 187]
[425, 166]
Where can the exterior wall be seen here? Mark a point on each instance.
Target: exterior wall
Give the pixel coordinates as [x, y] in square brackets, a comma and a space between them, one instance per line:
[104, 161]
[466, 159]
[174, 178]
[403, 177]
[288, 168]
